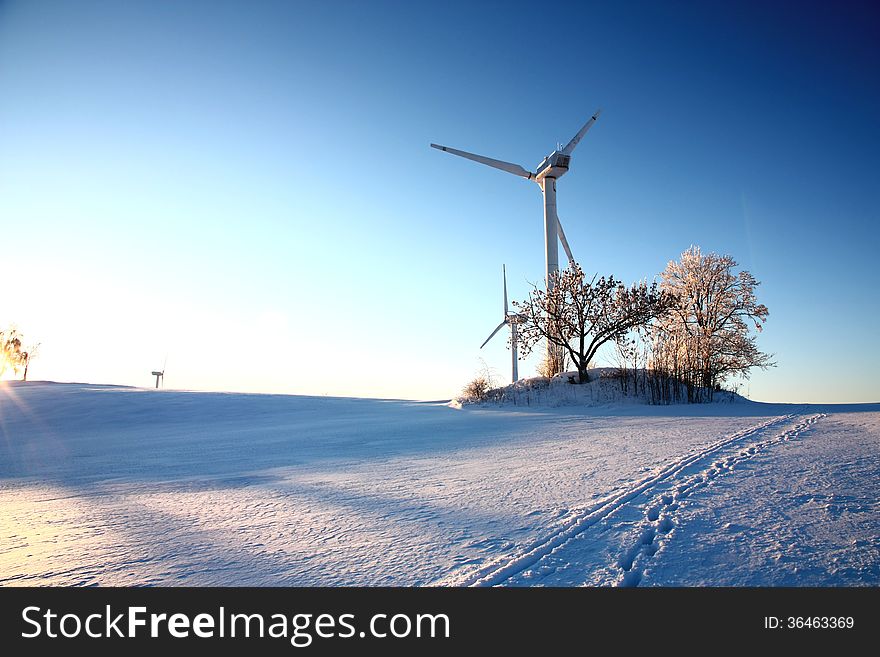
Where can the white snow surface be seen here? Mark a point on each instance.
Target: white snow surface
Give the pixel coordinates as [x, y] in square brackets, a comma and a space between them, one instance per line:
[122, 486]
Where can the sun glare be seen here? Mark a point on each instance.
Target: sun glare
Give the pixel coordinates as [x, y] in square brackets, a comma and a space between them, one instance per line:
[8, 374]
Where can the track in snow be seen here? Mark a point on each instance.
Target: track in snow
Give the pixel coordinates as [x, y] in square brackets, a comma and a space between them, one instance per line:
[660, 511]
[501, 569]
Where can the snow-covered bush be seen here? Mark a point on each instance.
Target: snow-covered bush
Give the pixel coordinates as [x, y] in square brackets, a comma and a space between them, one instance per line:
[476, 390]
[552, 363]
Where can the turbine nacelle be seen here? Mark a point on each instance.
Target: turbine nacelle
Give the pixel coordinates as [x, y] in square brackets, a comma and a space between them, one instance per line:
[553, 166]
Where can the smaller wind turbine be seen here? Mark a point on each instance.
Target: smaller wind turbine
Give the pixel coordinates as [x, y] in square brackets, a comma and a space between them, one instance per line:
[160, 375]
[508, 317]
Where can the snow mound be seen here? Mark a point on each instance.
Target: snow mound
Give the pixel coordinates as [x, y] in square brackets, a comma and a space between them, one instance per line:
[607, 386]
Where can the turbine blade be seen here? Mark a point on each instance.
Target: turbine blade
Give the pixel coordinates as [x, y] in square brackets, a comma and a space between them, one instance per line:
[500, 326]
[504, 274]
[580, 135]
[515, 169]
[563, 240]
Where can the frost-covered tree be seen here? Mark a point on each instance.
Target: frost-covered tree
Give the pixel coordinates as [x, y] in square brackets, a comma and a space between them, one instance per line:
[707, 336]
[12, 356]
[577, 316]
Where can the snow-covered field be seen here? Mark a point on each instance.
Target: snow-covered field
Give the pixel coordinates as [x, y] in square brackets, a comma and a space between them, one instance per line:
[120, 486]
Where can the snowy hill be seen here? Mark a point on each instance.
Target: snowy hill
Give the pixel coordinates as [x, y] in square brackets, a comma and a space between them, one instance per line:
[119, 486]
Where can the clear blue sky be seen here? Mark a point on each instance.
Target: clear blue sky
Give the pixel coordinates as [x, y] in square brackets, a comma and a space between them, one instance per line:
[247, 188]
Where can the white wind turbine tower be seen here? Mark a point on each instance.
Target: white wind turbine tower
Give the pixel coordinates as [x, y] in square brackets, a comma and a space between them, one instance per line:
[508, 316]
[552, 167]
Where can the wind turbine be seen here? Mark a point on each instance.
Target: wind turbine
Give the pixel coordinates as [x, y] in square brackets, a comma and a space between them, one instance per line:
[551, 167]
[161, 374]
[508, 316]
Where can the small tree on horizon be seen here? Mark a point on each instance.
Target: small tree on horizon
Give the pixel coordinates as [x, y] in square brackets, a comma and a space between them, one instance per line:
[27, 356]
[577, 316]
